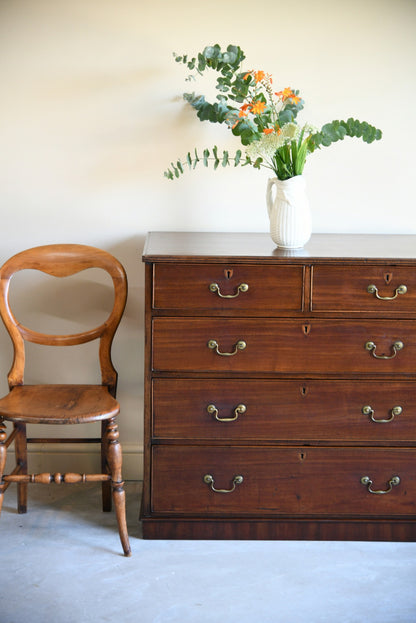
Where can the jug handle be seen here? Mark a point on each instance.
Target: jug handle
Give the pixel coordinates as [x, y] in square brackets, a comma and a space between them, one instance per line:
[269, 197]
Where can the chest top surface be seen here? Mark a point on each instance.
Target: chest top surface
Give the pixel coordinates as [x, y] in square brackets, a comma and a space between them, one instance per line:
[251, 247]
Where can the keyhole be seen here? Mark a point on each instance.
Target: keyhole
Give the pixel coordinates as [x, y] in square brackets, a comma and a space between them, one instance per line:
[228, 272]
[306, 329]
[302, 456]
[303, 390]
[388, 277]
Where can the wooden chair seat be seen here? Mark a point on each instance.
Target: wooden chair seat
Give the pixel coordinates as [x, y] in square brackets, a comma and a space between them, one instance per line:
[58, 404]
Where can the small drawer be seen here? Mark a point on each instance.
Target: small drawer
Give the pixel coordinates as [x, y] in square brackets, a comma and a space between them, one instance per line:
[369, 288]
[267, 290]
[284, 346]
[285, 411]
[300, 481]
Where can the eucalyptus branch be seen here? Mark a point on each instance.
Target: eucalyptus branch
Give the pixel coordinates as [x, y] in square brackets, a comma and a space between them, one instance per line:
[178, 168]
[337, 130]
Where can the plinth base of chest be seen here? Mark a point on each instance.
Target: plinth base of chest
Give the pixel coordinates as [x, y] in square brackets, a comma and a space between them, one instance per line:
[275, 530]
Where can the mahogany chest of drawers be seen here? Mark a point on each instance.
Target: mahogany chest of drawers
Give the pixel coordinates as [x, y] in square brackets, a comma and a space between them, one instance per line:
[280, 388]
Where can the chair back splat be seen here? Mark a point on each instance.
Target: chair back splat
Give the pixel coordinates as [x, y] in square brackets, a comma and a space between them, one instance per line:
[64, 404]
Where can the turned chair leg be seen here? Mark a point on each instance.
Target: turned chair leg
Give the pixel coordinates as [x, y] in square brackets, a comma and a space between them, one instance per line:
[105, 486]
[114, 461]
[20, 448]
[3, 453]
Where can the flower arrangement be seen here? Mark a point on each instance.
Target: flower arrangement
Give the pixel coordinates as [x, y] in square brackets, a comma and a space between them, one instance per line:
[262, 118]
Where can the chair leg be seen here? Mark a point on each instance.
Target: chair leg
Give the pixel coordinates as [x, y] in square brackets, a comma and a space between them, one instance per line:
[105, 486]
[20, 448]
[114, 461]
[3, 453]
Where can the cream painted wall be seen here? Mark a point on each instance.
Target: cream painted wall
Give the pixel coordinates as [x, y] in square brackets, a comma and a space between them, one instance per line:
[91, 114]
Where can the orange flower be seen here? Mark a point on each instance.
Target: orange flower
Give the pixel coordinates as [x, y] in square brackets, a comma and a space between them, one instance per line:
[276, 129]
[259, 76]
[243, 110]
[285, 94]
[247, 75]
[258, 107]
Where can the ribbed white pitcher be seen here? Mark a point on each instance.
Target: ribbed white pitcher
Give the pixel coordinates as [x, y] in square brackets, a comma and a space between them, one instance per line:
[289, 212]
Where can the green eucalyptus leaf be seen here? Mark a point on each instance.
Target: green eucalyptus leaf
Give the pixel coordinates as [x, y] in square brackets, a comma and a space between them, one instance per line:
[201, 63]
[175, 170]
[209, 52]
[257, 163]
[285, 116]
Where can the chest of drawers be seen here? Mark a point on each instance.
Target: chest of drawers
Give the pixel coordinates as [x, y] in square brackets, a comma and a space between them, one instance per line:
[280, 388]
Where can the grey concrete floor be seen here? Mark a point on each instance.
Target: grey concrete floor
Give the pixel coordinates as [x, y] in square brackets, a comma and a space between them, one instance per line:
[62, 563]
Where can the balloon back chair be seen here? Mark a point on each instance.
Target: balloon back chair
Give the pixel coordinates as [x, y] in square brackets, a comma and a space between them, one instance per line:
[64, 404]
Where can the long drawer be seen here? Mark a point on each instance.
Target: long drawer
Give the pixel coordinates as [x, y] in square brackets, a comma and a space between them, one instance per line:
[330, 346]
[271, 410]
[284, 481]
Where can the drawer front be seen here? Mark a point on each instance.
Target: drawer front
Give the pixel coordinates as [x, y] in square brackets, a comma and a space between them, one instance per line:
[283, 481]
[218, 409]
[283, 346]
[384, 289]
[267, 290]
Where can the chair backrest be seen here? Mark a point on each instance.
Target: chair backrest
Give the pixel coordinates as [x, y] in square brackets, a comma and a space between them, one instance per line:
[63, 260]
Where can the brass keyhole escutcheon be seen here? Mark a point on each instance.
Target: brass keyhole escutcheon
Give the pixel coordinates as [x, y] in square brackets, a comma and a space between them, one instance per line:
[228, 273]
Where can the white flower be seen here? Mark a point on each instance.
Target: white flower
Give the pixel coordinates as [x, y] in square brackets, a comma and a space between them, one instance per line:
[267, 145]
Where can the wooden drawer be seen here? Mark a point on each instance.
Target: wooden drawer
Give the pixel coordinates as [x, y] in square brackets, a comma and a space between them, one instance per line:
[284, 411]
[283, 346]
[271, 289]
[345, 289]
[283, 481]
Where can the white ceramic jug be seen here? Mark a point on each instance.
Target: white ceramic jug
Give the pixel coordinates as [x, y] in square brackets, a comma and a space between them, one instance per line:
[289, 212]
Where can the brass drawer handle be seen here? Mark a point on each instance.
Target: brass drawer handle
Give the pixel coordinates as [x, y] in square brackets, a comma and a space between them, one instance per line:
[213, 345]
[372, 289]
[367, 410]
[367, 482]
[214, 287]
[209, 480]
[371, 346]
[239, 410]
